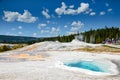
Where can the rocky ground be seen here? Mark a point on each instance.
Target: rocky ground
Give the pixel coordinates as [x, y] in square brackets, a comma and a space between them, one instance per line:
[38, 62]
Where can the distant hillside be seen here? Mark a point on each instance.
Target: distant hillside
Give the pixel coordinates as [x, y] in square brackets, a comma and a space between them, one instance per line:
[16, 39]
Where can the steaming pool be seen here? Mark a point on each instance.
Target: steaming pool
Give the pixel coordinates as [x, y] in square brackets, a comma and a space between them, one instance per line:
[91, 67]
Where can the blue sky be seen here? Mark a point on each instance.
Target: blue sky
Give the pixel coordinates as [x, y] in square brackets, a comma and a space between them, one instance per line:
[44, 18]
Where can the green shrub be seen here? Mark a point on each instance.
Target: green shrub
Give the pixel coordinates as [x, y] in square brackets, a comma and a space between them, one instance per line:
[4, 48]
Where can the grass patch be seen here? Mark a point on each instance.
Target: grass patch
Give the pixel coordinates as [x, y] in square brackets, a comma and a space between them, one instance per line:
[100, 49]
[8, 47]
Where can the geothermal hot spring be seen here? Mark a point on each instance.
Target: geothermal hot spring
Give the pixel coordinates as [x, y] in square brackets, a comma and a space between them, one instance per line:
[91, 67]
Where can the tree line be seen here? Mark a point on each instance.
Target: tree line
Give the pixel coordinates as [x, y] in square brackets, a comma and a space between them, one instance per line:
[100, 35]
[91, 36]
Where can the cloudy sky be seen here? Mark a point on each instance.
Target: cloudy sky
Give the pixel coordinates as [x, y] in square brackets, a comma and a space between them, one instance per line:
[43, 18]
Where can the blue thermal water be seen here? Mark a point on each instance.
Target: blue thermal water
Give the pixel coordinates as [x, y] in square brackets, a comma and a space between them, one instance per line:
[89, 65]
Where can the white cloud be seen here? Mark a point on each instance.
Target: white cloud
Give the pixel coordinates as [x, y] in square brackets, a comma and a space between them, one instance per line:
[75, 29]
[41, 25]
[83, 7]
[92, 13]
[19, 32]
[10, 16]
[45, 13]
[8, 33]
[70, 11]
[71, 6]
[65, 26]
[106, 4]
[26, 17]
[50, 30]
[102, 13]
[110, 9]
[34, 34]
[20, 27]
[45, 31]
[64, 9]
[76, 26]
[54, 30]
[69, 33]
[88, 11]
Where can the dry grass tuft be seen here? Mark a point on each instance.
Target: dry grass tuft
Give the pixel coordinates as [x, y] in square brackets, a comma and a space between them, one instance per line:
[100, 49]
